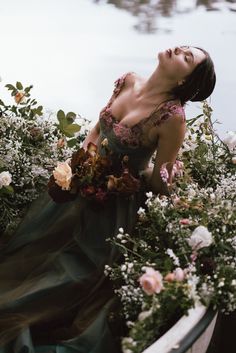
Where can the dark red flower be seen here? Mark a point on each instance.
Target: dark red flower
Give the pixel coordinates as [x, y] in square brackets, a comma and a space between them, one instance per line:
[88, 190]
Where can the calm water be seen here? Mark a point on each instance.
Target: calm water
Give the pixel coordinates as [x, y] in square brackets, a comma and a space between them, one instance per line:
[73, 50]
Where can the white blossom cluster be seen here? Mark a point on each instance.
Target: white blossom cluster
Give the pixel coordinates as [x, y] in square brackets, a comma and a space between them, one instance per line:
[194, 136]
[172, 255]
[155, 202]
[230, 140]
[226, 188]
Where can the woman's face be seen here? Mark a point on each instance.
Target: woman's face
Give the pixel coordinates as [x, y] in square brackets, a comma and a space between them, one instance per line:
[179, 62]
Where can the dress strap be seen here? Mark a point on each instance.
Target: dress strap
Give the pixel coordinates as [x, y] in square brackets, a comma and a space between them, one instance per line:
[167, 110]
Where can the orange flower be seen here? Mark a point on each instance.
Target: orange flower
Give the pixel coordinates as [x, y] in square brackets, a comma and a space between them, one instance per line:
[170, 277]
[20, 97]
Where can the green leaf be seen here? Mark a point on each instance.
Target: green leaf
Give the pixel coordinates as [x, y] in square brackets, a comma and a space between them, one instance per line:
[71, 129]
[39, 110]
[19, 85]
[60, 115]
[10, 87]
[71, 142]
[27, 89]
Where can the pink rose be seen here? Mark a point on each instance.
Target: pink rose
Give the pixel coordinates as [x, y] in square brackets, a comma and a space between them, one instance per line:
[179, 274]
[151, 281]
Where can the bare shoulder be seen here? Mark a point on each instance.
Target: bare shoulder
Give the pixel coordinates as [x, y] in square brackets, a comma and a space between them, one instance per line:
[172, 120]
[130, 78]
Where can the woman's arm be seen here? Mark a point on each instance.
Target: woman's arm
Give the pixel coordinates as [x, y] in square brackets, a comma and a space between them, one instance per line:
[92, 136]
[170, 139]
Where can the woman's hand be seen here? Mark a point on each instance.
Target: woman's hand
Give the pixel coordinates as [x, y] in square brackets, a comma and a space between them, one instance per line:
[170, 139]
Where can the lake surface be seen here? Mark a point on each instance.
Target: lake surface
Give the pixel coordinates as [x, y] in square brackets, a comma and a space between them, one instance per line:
[73, 50]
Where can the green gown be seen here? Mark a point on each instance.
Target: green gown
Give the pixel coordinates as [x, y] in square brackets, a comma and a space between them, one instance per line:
[54, 296]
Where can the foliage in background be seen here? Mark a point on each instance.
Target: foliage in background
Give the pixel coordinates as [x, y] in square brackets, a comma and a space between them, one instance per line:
[183, 250]
[31, 141]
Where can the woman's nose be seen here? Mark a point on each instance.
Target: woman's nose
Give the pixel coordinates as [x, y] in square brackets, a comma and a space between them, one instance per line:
[177, 50]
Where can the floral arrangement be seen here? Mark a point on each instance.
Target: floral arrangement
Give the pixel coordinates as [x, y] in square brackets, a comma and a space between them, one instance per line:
[183, 249]
[31, 140]
[92, 175]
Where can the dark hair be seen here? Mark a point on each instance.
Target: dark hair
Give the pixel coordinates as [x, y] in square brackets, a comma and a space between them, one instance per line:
[199, 84]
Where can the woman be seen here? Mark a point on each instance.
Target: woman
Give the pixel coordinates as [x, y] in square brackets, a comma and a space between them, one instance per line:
[54, 296]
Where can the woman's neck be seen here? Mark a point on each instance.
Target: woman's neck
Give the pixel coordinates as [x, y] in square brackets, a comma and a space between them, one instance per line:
[155, 86]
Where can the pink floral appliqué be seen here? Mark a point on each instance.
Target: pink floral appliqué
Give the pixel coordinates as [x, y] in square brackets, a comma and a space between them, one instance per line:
[126, 135]
[169, 110]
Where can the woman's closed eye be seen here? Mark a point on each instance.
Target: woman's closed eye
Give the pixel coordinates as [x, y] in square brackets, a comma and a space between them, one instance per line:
[187, 58]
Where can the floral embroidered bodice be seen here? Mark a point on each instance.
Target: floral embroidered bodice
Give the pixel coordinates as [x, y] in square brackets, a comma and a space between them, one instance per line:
[131, 140]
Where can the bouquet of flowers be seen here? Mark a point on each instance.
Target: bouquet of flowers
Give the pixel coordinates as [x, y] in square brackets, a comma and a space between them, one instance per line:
[91, 175]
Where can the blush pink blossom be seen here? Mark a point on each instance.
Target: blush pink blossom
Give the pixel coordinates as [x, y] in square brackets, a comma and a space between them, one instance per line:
[151, 281]
[177, 169]
[164, 173]
[185, 221]
[179, 274]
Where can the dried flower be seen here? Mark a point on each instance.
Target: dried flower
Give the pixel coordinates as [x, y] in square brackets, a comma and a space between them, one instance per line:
[104, 142]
